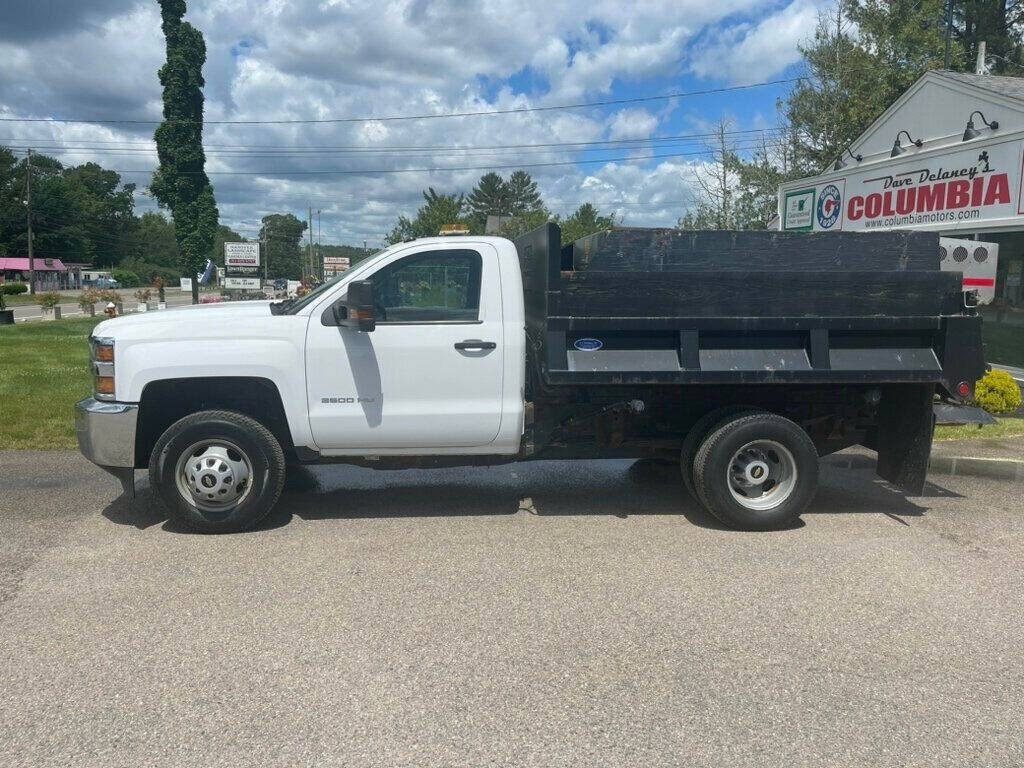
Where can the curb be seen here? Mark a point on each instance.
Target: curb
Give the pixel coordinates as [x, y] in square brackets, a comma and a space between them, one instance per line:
[972, 466]
[999, 469]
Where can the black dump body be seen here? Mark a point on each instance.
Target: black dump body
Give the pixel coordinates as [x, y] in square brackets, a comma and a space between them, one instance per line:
[739, 315]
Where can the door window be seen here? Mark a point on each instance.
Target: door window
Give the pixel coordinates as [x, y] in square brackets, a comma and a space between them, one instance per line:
[431, 287]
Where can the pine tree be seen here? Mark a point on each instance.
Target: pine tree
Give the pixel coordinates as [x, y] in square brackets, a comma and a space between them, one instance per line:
[490, 197]
[181, 183]
[864, 55]
[585, 220]
[523, 194]
[999, 23]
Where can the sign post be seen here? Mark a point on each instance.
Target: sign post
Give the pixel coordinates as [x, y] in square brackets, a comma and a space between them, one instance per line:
[242, 267]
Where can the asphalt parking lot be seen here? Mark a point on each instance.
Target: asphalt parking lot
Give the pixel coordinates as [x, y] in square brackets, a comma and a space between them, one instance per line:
[532, 615]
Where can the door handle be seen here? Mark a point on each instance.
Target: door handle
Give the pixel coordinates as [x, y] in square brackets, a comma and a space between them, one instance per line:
[474, 344]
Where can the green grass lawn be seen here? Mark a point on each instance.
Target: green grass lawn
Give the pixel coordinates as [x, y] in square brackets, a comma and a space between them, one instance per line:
[21, 300]
[44, 370]
[1007, 427]
[1003, 343]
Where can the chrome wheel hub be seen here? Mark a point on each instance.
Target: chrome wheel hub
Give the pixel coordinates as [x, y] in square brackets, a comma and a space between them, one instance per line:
[762, 475]
[213, 475]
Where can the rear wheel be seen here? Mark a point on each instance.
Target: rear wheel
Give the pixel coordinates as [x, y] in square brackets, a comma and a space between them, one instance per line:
[217, 471]
[700, 430]
[756, 472]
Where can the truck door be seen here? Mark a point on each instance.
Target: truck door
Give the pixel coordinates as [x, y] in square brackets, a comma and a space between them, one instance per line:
[430, 374]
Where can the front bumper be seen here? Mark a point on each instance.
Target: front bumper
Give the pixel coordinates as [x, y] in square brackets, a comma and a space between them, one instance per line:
[106, 437]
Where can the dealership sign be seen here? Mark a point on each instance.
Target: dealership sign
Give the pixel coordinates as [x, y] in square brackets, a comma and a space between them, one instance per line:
[963, 188]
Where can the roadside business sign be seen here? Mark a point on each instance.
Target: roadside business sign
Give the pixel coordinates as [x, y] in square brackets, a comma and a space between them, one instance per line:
[242, 283]
[970, 185]
[798, 210]
[241, 256]
[335, 265]
[242, 266]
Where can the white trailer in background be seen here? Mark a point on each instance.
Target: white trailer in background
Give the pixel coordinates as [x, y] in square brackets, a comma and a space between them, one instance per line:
[976, 259]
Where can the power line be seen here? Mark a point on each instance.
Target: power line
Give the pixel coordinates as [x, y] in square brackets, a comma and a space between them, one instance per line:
[372, 171]
[468, 152]
[482, 155]
[1007, 61]
[151, 145]
[433, 116]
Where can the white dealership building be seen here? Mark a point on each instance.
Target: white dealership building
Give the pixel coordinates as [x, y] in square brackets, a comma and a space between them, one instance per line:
[947, 156]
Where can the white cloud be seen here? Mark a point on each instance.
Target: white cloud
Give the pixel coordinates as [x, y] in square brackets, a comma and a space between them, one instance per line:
[632, 124]
[312, 59]
[748, 53]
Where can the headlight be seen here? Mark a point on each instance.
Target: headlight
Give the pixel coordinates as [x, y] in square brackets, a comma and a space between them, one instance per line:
[101, 356]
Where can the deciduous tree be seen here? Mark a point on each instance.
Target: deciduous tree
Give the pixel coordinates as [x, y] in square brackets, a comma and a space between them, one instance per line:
[282, 233]
[437, 210]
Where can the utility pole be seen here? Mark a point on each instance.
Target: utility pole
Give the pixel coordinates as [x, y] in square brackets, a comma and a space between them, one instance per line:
[949, 30]
[28, 215]
[309, 246]
[319, 257]
[265, 247]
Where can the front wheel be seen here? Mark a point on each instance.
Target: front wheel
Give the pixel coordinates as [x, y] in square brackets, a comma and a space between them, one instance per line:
[756, 472]
[217, 471]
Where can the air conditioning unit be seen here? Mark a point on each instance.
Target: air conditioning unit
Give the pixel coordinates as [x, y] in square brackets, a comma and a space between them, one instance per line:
[977, 261]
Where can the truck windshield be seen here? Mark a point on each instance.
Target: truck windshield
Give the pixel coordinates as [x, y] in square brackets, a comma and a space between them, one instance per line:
[291, 306]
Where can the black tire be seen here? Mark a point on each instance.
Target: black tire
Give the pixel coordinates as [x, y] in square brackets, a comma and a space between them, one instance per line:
[715, 457]
[704, 426]
[245, 435]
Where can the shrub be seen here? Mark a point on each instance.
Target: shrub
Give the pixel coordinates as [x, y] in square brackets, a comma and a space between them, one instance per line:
[126, 278]
[143, 295]
[48, 299]
[109, 295]
[146, 273]
[997, 392]
[13, 289]
[87, 298]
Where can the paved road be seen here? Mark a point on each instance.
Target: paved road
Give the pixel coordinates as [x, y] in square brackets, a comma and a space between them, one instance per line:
[70, 308]
[427, 618]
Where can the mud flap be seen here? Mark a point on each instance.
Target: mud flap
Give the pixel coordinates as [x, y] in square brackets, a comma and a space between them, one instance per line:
[958, 415]
[904, 440]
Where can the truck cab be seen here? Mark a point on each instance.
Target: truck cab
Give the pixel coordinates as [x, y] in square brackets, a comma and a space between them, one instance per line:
[442, 369]
[438, 371]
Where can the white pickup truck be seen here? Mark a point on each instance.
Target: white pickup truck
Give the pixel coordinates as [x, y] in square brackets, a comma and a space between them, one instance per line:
[477, 350]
